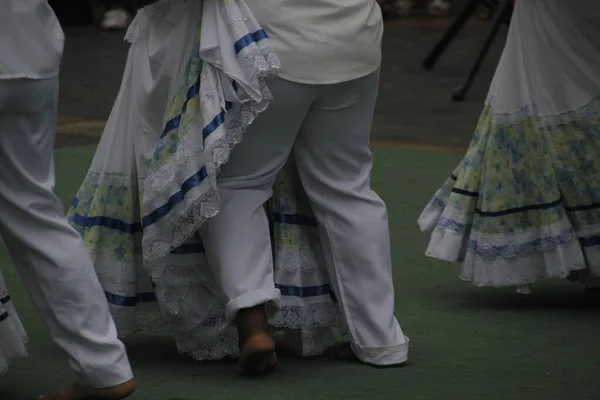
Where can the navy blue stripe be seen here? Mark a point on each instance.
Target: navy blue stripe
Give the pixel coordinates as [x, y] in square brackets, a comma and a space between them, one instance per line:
[465, 192]
[5, 300]
[214, 124]
[590, 241]
[191, 93]
[125, 301]
[171, 124]
[294, 219]
[175, 199]
[250, 38]
[3, 316]
[542, 206]
[152, 217]
[217, 121]
[174, 122]
[308, 291]
[107, 222]
[260, 35]
[192, 181]
[517, 210]
[290, 219]
[190, 248]
[462, 191]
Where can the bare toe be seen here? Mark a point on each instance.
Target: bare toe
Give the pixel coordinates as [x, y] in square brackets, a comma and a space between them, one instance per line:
[258, 355]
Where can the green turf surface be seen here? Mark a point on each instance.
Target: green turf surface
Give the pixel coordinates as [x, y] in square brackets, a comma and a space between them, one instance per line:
[467, 343]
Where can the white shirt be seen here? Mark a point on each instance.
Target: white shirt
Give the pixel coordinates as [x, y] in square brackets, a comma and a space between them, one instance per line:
[322, 41]
[31, 40]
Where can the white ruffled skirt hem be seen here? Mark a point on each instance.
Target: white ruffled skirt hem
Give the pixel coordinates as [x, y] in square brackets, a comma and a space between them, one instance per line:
[12, 335]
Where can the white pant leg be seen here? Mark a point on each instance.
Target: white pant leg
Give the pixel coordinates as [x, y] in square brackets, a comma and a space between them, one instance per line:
[49, 255]
[334, 161]
[237, 240]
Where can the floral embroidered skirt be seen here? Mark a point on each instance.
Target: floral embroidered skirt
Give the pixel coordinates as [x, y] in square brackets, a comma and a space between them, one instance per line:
[524, 203]
[178, 292]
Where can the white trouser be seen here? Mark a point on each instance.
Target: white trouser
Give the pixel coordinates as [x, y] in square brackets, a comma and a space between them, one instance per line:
[50, 256]
[328, 128]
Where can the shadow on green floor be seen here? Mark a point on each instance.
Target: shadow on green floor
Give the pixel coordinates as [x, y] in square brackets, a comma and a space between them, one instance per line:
[467, 343]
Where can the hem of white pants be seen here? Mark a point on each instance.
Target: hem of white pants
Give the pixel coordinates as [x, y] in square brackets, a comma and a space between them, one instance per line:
[382, 356]
[29, 75]
[116, 377]
[251, 299]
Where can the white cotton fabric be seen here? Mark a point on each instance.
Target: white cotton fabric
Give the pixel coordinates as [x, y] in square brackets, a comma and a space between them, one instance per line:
[31, 40]
[323, 41]
[550, 60]
[191, 305]
[548, 76]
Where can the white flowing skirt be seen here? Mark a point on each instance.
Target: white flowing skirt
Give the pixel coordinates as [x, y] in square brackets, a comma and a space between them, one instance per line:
[12, 334]
[524, 203]
[163, 63]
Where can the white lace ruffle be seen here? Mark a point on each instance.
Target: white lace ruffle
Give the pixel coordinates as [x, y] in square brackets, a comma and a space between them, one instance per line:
[140, 24]
[202, 202]
[193, 309]
[557, 262]
[513, 258]
[298, 259]
[587, 111]
[310, 336]
[190, 303]
[486, 267]
[12, 333]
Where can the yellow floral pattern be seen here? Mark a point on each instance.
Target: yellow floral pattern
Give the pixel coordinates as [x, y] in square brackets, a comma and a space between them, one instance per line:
[525, 186]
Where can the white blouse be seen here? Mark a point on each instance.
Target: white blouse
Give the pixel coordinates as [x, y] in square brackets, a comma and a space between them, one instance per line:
[31, 40]
[322, 41]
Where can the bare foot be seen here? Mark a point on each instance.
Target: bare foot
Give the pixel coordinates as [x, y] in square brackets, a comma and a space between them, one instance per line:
[76, 391]
[258, 355]
[257, 347]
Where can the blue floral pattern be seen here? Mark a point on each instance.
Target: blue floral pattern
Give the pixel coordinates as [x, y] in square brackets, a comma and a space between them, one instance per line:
[526, 186]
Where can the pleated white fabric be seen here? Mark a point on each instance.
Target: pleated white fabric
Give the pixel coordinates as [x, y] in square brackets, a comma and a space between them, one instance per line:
[12, 333]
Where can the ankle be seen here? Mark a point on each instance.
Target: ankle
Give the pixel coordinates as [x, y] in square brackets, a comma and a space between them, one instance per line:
[251, 321]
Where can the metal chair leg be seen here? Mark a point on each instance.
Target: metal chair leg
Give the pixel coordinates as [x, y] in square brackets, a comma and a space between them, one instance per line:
[430, 61]
[500, 16]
